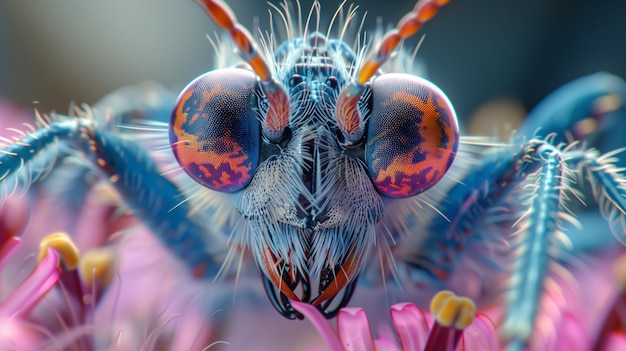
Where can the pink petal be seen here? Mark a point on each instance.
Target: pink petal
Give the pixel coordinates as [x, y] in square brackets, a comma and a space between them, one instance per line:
[14, 215]
[386, 345]
[354, 329]
[8, 249]
[95, 219]
[572, 334]
[36, 285]
[480, 335]
[616, 341]
[411, 325]
[16, 334]
[320, 323]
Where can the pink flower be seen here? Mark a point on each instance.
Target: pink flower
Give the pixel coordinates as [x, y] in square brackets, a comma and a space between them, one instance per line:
[418, 330]
[15, 331]
[456, 327]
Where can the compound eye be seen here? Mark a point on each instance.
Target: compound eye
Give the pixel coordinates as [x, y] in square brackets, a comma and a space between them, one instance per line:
[214, 130]
[412, 137]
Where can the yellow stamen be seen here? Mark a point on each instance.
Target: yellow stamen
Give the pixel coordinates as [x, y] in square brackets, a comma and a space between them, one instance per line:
[63, 244]
[97, 266]
[438, 300]
[452, 310]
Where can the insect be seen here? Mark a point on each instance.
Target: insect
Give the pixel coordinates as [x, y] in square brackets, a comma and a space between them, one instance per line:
[311, 160]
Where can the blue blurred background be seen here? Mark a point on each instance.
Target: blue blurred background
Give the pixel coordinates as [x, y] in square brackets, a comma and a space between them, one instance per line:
[55, 52]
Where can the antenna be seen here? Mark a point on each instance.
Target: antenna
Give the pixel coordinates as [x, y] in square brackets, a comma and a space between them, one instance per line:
[349, 119]
[278, 111]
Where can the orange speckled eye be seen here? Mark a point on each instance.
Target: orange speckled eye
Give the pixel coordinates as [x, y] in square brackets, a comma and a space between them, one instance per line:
[413, 135]
[214, 129]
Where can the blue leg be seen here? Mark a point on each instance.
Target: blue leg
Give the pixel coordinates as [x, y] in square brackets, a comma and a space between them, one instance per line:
[583, 109]
[540, 239]
[152, 197]
[31, 158]
[535, 240]
[519, 192]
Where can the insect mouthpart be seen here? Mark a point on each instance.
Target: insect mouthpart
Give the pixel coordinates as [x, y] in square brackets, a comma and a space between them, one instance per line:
[310, 213]
[285, 282]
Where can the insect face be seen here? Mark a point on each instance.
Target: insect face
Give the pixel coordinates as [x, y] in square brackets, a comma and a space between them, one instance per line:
[311, 196]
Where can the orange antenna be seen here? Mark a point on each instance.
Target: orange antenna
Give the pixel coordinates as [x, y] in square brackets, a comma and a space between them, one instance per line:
[278, 112]
[349, 119]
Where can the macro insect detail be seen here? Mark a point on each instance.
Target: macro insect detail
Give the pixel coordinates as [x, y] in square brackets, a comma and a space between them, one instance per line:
[314, 164]
[322, 165]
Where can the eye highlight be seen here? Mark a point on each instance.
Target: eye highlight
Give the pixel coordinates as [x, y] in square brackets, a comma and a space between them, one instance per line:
[214, 130]
[413, 135]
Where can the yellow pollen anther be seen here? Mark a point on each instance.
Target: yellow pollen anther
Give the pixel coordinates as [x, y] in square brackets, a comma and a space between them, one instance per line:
[452, 310]
[63, 244]
[438, 300]
[97, 266]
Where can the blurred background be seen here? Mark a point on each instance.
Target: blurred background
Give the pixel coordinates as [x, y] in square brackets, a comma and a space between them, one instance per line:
[478, 51]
